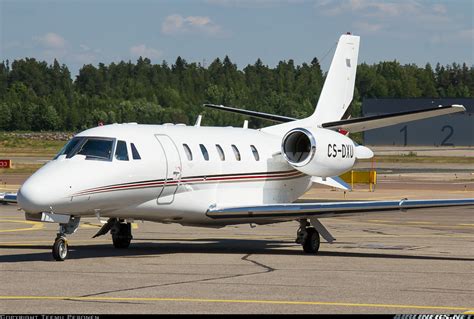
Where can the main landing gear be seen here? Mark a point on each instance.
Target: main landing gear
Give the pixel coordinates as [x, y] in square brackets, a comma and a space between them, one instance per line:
[120, 230]
[308, 237]
[121, 235]
[60, 246]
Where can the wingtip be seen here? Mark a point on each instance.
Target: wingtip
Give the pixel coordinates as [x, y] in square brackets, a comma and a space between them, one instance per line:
[461, 107]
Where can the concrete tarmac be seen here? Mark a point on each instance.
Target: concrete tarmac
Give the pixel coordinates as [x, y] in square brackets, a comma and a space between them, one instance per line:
[419, 261]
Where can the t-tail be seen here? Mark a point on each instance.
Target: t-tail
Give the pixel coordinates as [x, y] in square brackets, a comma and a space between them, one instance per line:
[336, 96]
[338, 89]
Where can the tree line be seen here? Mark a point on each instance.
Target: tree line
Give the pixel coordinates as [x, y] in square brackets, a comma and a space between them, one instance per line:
[37, 96]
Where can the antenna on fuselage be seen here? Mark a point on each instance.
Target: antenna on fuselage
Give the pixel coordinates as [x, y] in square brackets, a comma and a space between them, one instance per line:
[246, 124]
[198, 120]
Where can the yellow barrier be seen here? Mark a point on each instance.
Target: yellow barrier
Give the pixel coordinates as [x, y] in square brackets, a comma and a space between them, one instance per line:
[355, 177]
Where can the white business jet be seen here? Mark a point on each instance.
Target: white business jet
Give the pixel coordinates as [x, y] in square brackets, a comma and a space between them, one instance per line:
[216, 176]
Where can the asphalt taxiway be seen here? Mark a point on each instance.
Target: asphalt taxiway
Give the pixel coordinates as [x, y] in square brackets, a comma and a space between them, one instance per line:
[404, 262]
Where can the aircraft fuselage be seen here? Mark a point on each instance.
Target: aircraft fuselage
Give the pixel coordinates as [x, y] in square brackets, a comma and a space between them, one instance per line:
[180, 173]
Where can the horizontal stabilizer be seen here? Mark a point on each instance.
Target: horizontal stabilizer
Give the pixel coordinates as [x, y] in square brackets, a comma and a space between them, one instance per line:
[332, 182]
[329, 209]
[266, 116]
[372, 122]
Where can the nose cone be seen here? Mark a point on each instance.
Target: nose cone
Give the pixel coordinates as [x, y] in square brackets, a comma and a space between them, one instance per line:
[42, 191]
[33, 197]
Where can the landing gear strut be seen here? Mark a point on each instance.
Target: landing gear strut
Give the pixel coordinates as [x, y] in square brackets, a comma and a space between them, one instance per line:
[308, 237]
[60, 246]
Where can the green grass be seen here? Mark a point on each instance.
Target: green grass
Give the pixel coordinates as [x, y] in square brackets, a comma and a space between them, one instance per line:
[17, 146]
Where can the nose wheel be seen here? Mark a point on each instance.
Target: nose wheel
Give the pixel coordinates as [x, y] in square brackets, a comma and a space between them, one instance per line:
[60, 248]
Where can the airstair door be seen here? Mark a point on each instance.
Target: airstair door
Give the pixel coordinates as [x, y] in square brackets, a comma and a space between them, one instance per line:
[173, 169]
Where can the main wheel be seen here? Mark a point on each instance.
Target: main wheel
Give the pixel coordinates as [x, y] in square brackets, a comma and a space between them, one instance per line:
[122, 237]
[60, 249]
[312, 241]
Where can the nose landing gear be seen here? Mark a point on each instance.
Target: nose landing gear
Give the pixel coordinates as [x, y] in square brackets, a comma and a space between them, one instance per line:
[60, 246]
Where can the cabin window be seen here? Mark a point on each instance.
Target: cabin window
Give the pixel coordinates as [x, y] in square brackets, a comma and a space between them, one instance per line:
[236, 152]
[121, 152]
[135, 154]
[188, 152]
[221, 152]
[255, 152]
[95, 148]
[205, 154]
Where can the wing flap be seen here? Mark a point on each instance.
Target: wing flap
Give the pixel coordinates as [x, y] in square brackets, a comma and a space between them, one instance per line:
[329, 209]
[372, 122]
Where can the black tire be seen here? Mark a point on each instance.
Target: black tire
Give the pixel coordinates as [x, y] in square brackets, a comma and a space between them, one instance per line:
[312, 242]
[122, 238]
[60, 249]
[121, 242]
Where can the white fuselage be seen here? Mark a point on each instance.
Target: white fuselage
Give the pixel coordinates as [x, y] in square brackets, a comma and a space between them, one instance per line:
[164, 185]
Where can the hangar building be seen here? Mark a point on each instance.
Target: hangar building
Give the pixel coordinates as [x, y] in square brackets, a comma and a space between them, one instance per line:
[447, 130]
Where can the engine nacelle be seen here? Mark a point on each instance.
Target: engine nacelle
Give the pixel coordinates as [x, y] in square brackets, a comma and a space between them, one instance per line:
[318, 152]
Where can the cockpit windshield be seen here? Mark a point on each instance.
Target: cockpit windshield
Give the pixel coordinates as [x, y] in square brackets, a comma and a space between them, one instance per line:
[95, 148]
[68, 148]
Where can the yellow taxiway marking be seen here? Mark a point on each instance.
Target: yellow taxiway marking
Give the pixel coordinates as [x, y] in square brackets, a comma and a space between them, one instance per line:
[95, 226]
[36, 225]
[470, 312]
[421, 223]
[277, 302]
[40, 225]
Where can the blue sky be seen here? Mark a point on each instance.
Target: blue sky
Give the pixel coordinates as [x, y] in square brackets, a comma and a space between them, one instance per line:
[78, 32]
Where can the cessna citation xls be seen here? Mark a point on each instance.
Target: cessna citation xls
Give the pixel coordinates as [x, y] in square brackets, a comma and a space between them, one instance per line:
[216, 176]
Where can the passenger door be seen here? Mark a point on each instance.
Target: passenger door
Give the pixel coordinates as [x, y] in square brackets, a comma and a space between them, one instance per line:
[173, 169]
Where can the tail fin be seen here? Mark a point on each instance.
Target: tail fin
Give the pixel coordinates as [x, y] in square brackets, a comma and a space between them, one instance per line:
[338, 88]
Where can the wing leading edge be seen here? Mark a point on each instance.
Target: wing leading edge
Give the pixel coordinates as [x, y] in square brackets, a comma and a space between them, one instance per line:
[329, 209]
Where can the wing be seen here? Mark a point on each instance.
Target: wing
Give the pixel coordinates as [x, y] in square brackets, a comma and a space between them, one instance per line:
[372, 122]
[328, 209]
[8, 198]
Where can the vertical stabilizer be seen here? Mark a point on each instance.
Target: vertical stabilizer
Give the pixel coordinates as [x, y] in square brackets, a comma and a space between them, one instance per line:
[338, 88]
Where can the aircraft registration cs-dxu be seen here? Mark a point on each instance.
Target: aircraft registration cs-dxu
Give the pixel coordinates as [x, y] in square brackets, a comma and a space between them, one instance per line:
[216, 176]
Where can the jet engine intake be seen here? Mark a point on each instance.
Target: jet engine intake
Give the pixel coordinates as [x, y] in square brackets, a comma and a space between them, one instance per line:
[318, 152]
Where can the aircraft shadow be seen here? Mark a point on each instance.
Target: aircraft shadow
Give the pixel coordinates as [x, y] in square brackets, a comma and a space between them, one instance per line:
[139, 248]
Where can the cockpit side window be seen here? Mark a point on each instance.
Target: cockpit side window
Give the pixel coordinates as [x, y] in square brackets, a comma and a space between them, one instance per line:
[135, 154]
[95, 148]
[69, 147]
[121, 152]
